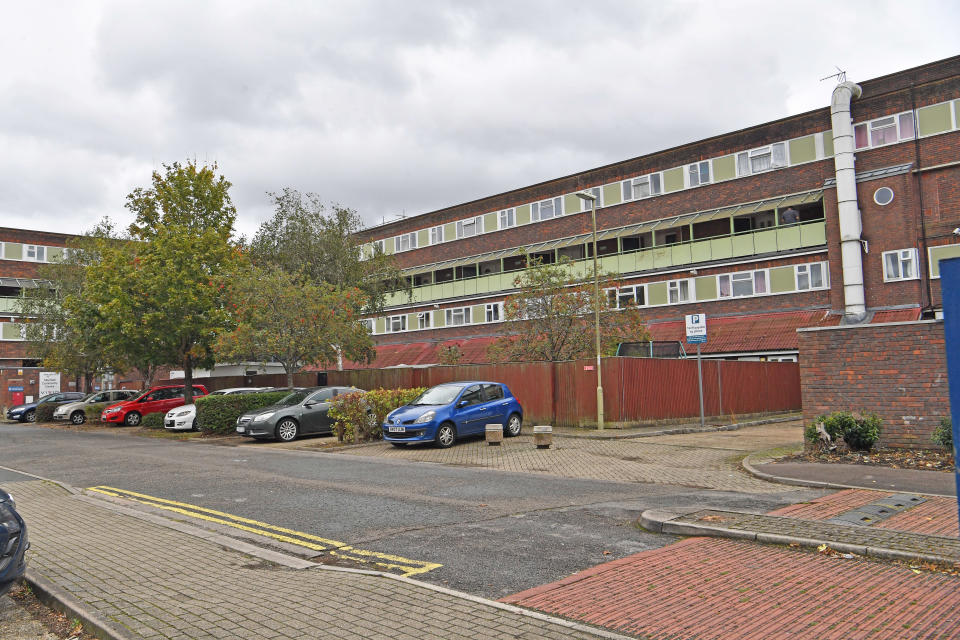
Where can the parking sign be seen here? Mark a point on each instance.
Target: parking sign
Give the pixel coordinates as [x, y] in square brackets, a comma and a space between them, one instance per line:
[696, 328]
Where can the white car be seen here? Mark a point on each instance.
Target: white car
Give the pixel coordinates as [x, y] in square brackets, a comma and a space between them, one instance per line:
[184, 418]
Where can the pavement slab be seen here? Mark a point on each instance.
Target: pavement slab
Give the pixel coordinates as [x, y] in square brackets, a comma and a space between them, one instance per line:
[716, 589]
[152, 581]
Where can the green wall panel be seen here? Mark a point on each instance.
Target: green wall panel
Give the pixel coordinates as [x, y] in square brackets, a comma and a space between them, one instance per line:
[478, 313]
[389, 245]
[680, 254]
[423, 237]
[612, 193]
[11, 331]
[721, 248]
[449, 231]
[956, 112]
[657, 293]
[381, 325]
[803, 150]
[725, 168]
[813, 234]
[54, 254]
[700, 251]
[939, 253]
[788, 238]
[13, 251]
[934, 119]
[439, 318]
[782, 280]
[765, 241]
[490, 222]
[673, 179]
[523, 214]
[828, 144]
[706, 287]
[571, 203]
[412, 322]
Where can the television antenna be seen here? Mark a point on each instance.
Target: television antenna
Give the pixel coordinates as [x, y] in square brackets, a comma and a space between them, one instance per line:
[841, 75]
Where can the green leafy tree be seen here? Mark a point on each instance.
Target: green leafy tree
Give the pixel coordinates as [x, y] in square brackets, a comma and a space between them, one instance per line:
[305, 237]
[554, 318]
[450, 354]
[281, 318]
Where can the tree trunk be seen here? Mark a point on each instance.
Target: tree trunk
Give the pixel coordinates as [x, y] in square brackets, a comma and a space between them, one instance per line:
[289, 377]
[188, 380]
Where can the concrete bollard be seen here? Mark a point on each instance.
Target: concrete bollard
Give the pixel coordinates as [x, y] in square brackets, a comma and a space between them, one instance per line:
[543, 436]
[494, 434]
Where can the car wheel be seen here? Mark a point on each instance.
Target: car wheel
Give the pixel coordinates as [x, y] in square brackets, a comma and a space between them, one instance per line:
[287, 430]
[30, 416]
[132, 419]
[78, 417]
[513, 426]
[446, 435]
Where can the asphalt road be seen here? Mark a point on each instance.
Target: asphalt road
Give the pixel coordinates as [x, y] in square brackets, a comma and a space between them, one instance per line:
[495, 533]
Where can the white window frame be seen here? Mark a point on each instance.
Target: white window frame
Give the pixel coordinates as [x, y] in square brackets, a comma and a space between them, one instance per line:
[400, 319]
[903, 256]
[39, 253]
[493, 313]
[411, 242]
[619, 293]
[556, 208]
[425, 320]
[806, 271]
[870, 126]
[675, 288]
[452, 314]
[507, 218]
[436, 234]
[653, 183]
[587, 205]
[369, 324]
[476, 222]
[695, 173]
[777, 152]
[380, 243]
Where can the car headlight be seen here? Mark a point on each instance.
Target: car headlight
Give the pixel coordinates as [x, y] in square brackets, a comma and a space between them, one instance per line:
[183, 413]
[7, 519]
[114, 410]
[427, 417]
[264, 416]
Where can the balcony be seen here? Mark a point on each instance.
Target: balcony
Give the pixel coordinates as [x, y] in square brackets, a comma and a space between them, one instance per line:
[770, 241]
[9, 304]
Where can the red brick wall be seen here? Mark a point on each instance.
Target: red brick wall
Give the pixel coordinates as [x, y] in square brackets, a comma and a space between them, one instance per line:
[897, 370]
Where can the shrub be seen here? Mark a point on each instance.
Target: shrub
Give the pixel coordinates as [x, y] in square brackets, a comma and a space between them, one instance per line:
[44, 412]
[153, 420]
[93, 411]
[943, 434]
[859, 431]
[810, 434]
[358, 416]
[218, 414]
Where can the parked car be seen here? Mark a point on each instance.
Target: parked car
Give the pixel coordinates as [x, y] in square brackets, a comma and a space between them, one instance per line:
[446, 412]
[28, 412]
[184, 418]
[153, 400]
[301, 412]
[13, 543]
[74, 411]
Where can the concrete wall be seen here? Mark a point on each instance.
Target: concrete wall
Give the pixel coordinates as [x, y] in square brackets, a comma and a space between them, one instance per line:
[897, 370]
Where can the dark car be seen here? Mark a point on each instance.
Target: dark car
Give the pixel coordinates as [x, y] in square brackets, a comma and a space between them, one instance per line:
[449, 411]
[13, 543]
[28, 412]
[301, 412]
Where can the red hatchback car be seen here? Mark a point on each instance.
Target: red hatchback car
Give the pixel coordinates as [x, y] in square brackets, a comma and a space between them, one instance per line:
[154, 400]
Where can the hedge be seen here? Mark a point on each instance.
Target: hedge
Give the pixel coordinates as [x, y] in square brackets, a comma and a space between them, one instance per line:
[358, 416]
[93, 411]
[153, 420]
[44, 412]
[218, 414]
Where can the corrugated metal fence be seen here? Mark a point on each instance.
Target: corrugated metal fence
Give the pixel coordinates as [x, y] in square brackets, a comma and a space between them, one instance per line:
[635, 389]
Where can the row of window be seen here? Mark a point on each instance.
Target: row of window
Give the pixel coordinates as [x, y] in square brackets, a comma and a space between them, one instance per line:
[873, 133]
[29, 252]
[453, 317]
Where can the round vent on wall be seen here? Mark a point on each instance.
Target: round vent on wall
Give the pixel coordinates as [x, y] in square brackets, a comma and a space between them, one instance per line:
[883, 196]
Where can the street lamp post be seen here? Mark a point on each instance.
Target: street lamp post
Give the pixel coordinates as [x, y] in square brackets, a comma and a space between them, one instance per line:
[590, 200]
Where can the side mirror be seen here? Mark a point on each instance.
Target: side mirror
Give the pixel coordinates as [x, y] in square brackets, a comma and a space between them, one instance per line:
[462, 404]
[308, 405]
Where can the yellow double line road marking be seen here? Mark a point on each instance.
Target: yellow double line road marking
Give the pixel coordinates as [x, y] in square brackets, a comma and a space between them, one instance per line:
[405, 566]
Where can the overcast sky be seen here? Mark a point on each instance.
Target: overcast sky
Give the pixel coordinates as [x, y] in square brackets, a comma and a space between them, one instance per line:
[405, 106]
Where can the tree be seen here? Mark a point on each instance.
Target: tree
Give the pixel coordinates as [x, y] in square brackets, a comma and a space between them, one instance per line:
[450, 354]
[282, 318]
[304, 238]
[554, 319]
[161, 292]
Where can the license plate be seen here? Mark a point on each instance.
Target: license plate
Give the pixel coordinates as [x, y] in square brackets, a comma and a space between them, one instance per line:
[241, 429]
[397, 429]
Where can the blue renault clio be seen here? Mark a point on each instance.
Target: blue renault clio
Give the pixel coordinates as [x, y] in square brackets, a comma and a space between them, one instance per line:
[453, 410]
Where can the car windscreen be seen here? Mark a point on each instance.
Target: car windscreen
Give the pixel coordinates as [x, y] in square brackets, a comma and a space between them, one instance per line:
[443, 394]
[295, 398]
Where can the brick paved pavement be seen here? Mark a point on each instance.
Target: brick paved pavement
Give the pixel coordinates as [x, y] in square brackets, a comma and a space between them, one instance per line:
[709, 460]
[159, 583]
[714, 589]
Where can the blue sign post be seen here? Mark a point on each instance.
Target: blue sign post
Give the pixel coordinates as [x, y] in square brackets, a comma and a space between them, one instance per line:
[950, 286]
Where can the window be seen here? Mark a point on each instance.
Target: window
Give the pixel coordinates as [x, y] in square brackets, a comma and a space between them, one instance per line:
[396, 323]
[436, 234]
[423, 319]
[906, 126]
[811, 276]
[507, 219]
[586, 205]
[625, 297]
[36, 252]
[642, 187]
[699, 173]
[473, 395]
[405, 242]
[678, 291]
[493, 312]
[493, 392]
[883, 196]
[458, 316]
[367, 324]
[746, 283]
[883, 131]
[900, 265]
[381, 245]
[469, 228]
[547, 209]
[763, 159]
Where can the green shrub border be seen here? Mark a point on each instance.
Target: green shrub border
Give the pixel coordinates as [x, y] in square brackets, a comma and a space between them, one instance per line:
[218, 414]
